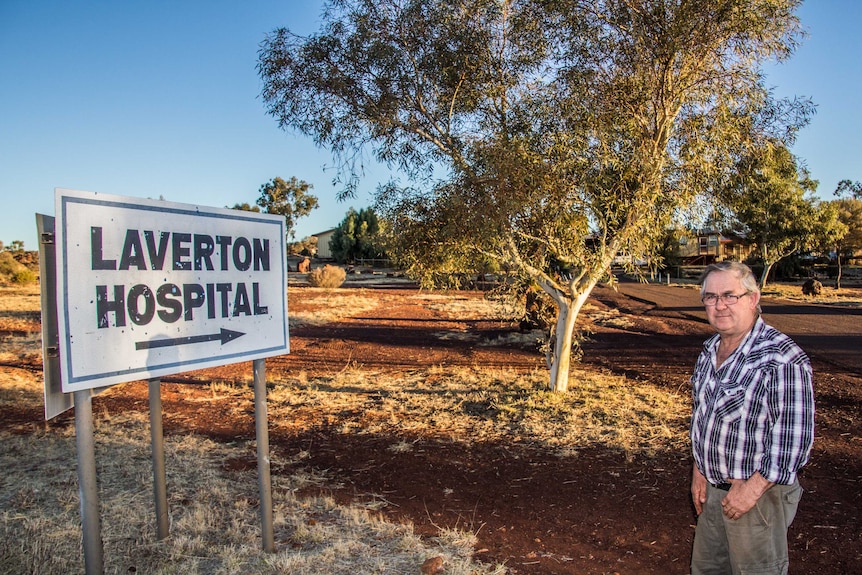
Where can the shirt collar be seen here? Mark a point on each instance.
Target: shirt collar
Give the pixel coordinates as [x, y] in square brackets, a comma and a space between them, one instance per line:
[753, 334]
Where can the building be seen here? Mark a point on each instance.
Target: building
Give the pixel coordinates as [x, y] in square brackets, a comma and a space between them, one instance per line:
[710, 245]
[323, 238]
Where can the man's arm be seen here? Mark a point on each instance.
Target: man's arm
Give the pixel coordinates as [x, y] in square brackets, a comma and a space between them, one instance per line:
[698, 489]
[789, 433]
[744, 494]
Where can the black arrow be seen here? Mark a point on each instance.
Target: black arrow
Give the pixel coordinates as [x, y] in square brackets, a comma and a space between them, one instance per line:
[225, 335]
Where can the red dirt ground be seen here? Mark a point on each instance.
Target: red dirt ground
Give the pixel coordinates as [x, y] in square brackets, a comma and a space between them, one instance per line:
[598, 513]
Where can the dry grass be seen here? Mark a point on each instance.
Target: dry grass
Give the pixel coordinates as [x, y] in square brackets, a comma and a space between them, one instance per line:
[849, 295]
[329, 305]
[829, 295]
[459, 306]
[480, 405]
[20, 324]
[215, 525]
[20, 298]
[214, 517]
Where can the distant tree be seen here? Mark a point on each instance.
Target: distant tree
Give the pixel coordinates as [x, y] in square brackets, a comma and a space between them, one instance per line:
[290, 199]
[566, 131]
[13, 271]
[356, 237]
[14, 246]
[766, 194]
[854, 189]
[245, 207]
[667, 255]
[849, 240]
[307, 246]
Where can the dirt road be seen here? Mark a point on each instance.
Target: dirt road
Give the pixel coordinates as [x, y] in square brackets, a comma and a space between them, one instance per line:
[828, 333]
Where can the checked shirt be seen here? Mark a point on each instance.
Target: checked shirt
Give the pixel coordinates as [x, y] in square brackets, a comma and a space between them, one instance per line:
[755, 412]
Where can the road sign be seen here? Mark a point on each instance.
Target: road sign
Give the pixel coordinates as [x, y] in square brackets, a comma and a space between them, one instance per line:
[148, 288]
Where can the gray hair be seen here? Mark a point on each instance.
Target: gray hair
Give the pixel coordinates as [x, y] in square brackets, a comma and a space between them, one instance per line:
[742, 272]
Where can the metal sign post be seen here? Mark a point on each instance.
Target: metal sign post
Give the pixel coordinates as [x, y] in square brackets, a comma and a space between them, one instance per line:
[157, 441]
[56, 402]
[87, 484]
[136, 289]
[262, 433]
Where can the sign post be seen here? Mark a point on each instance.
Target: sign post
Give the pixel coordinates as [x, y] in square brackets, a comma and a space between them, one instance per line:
[87, 484]
[262, 434]
[157, 446]
[56, 402]
[147, 288]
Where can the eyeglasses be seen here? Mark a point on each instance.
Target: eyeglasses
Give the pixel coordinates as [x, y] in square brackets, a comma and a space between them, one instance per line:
[727, 299]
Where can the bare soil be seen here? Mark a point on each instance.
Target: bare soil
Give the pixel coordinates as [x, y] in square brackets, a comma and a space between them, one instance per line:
[538, 513]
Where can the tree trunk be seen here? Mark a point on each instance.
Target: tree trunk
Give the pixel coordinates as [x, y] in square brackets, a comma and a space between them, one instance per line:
[564, 337]
[838, 279]
[767, 266]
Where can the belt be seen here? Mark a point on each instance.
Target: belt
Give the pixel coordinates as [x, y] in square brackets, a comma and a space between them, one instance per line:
[722, 486]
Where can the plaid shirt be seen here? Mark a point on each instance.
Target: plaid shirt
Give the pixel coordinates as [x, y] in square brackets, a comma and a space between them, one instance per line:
[755, 412]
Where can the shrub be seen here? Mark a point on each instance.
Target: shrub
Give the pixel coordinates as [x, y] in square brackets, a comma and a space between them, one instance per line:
[24, 277]
[327, 277]
[12, 271]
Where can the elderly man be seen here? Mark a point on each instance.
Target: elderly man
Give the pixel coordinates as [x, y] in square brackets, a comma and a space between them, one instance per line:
[752, 427]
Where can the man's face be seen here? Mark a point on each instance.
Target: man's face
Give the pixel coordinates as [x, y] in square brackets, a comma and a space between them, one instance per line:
[730, 320]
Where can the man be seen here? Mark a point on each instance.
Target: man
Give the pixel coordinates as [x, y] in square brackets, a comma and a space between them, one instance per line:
[752, 427]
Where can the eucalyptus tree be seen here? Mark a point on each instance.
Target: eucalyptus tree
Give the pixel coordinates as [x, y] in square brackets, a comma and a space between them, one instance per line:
[849, 187]
[289, 198]
[847, 239]
[544, 135]
[769, 196]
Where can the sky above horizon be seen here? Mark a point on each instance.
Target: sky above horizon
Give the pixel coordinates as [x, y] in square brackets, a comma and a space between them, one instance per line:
[161, 99]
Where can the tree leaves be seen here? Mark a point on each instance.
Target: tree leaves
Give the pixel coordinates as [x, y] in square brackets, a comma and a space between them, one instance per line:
[543, 135]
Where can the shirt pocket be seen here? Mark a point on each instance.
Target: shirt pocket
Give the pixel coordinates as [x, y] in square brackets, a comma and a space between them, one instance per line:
[733, 400]
[729, 403]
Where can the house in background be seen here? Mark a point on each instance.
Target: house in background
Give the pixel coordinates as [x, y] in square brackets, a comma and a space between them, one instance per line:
[710, 245]
[323, 250]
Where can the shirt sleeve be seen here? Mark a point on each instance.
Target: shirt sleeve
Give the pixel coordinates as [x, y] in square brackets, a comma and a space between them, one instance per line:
[788, 441]
[696, 426]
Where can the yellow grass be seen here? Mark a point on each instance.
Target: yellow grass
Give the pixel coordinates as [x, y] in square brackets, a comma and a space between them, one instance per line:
[215, 524]
[329, 305]
[480, 405]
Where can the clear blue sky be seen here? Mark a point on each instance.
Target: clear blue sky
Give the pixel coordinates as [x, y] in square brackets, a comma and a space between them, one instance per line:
[160, 98]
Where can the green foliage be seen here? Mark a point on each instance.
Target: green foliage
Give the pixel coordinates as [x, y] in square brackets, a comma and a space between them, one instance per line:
[14, 246]
[849, 214]
[766, 195]
[245, 207]
[845, 237]
[290, 199]
[328, 276]
[307, 246]
[852, 189]
[667, 253]
[14, 272]
[356, 237]
[565, 131]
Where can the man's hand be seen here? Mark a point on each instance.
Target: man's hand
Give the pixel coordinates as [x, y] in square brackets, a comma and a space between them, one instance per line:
[743, 495]
[698, 489]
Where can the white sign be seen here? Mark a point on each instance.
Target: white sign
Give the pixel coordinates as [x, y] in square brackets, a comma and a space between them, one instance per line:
[148, 288]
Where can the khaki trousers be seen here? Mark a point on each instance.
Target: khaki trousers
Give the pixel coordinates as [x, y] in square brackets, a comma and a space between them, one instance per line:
[754, 544]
